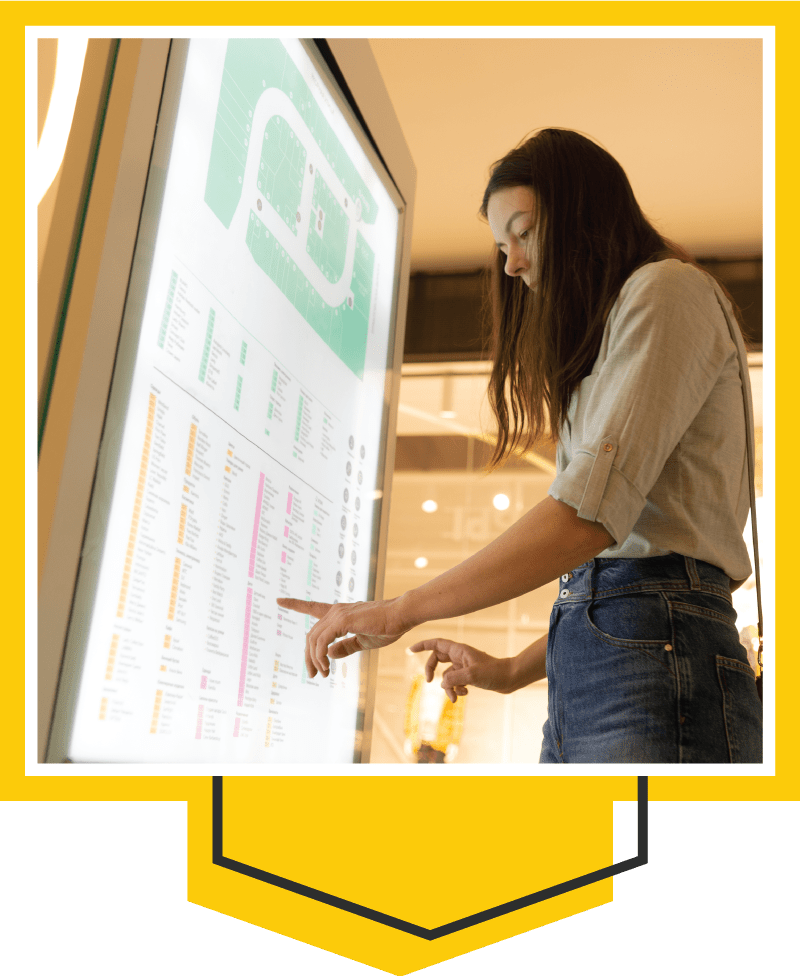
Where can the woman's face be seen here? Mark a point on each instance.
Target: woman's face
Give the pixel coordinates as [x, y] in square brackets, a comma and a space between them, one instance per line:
[511, 216]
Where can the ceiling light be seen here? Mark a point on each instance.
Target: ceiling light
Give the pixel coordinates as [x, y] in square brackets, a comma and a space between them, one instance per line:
[501, 502]
[420, 562]
[448, 414]
[429, 506]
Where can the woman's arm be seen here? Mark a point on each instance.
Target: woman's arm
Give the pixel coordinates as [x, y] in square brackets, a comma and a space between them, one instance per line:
[469, 666]
[529, 665]
[546, 542]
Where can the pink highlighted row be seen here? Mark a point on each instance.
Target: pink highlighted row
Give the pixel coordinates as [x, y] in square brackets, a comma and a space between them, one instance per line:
[256, 522]
[245, 644]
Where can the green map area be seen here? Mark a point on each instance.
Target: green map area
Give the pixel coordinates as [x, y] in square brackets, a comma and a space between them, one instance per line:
[343, 328]
[251, 66]
[327, 239]
[280, 172]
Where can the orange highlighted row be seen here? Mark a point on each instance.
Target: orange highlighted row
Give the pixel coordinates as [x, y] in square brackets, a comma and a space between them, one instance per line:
[182, 525]
[167, 640]
[137, 506]
[190, 451]
[112, 655]
[173, 597]
[156, 710]
[103, 707]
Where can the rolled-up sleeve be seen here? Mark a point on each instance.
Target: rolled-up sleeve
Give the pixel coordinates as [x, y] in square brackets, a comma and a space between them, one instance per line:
[666, 343]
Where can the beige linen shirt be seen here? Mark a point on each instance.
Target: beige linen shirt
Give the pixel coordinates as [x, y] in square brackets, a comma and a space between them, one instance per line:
[654, 443]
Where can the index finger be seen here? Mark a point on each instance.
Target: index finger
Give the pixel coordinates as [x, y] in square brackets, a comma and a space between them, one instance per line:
[440, 649]
[317, 610]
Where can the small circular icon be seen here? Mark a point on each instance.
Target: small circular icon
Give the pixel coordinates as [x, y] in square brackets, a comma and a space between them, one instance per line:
[363, 452]
[258, 203]
[347, 494]
[352, 442]
[355, 528]
[353, 557]
[341, 550]
[344, 522]
[360, 477]
[358, 504]
[338, 579]
[351, 584]
[310, 167]
[298, 216]
[349, 469]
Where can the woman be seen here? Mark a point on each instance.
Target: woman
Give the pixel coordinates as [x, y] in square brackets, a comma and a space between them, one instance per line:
[609, 337]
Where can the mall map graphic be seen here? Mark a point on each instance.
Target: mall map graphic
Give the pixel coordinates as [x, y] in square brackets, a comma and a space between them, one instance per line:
[280, 179]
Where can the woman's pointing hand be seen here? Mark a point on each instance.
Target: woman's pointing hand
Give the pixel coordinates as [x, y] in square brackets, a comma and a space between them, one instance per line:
[369, 625]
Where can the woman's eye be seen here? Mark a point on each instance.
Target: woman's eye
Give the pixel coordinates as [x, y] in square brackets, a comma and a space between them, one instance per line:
[523, 235]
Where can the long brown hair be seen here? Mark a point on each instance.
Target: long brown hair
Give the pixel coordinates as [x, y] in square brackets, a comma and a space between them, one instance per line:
[589, 236]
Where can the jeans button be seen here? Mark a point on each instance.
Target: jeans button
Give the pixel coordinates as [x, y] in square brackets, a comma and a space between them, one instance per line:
[564, 593]
[565, 578]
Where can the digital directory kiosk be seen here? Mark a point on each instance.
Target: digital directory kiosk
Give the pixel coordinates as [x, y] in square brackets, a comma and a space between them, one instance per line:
[249, 421]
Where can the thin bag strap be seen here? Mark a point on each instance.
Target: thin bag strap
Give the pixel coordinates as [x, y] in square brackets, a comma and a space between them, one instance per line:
[736, 336]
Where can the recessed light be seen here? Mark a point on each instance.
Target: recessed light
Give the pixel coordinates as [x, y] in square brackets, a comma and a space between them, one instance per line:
[429, 506]
[501, 502]
[420, 562]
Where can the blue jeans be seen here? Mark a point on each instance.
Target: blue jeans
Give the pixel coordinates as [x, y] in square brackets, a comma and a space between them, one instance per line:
[644, 665]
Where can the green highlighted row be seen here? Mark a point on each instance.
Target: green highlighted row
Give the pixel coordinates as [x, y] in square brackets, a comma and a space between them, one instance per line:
[299, 419]
[207, 345]
[167, 309]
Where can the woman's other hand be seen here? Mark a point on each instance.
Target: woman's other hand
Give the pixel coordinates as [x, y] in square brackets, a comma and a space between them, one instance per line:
[469, 667]
[371, 625]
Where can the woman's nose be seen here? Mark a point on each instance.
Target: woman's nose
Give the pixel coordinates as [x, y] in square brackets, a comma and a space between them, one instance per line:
[516, 262]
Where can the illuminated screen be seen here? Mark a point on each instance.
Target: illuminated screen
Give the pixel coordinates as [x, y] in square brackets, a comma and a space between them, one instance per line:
[245, 455]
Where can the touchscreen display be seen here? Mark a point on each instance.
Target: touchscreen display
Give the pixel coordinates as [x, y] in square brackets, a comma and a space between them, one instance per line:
[249, 460]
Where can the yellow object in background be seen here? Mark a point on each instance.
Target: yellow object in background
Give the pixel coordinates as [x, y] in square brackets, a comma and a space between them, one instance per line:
[433, 724]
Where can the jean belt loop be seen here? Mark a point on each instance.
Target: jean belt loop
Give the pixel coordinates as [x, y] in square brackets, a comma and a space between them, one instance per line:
[691, 572]
[590, 577]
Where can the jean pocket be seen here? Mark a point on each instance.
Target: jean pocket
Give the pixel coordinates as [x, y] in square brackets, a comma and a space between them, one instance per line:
[638, 622]
[742, 710]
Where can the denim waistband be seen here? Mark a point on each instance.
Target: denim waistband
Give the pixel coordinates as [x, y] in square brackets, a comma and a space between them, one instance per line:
[612, 577]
